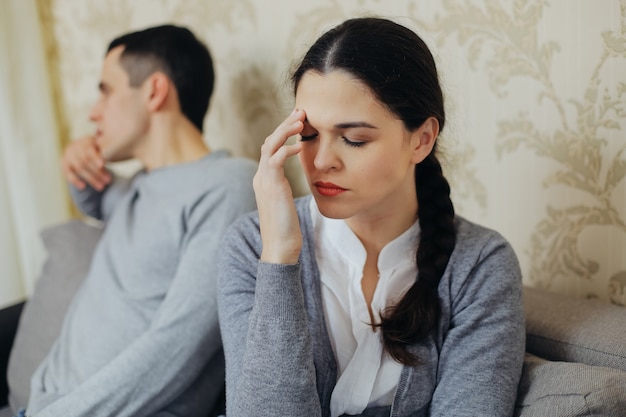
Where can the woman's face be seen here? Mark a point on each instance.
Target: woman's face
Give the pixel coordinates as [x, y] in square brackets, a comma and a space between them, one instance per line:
[357, 156]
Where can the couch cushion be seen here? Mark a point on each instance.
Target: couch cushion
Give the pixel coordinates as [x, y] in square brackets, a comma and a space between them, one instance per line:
[69, 247]
[570, 329]
[566, 389]
[6, 412]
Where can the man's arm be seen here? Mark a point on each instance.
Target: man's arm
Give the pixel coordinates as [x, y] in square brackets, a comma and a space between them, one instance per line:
[163, 362]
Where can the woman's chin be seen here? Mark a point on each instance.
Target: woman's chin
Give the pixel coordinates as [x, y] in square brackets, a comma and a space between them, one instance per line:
[330, 209]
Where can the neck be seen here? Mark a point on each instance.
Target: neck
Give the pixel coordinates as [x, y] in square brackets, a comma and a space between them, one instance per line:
[170, 141]
[376, 232]
[381, 224]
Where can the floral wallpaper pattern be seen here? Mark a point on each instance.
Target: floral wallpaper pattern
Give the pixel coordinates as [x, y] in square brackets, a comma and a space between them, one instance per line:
[576, 141]
[536, 102]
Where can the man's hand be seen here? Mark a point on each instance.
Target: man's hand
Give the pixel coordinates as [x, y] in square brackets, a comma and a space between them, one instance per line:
[83, 164]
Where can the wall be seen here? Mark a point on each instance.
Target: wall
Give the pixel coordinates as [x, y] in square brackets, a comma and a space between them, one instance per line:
[535, 91]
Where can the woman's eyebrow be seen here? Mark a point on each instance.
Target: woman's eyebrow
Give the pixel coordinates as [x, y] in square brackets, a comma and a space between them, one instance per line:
[348, 125]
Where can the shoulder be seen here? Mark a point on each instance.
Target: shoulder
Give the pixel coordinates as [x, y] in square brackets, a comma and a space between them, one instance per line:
[474, 241]
[209, 194]
[482, 260]
[250, 221]
[246, 232]
[222, 178]
[222, 170]
[239, 166]
[303, 207]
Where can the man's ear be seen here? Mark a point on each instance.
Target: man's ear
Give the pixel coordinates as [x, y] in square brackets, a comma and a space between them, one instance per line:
[423, 139]
[157, 90]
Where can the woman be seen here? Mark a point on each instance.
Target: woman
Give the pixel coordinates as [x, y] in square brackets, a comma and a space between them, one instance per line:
[369, 297]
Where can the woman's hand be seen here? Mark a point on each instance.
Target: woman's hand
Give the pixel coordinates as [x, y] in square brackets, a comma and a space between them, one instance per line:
[280, 228]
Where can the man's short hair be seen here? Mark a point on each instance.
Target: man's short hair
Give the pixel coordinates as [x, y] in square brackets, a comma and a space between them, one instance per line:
[177, 53]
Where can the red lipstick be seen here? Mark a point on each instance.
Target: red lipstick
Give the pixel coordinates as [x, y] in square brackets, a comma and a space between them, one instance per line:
[328, 189]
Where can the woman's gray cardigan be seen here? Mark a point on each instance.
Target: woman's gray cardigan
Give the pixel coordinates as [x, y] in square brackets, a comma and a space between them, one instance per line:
[280, 362]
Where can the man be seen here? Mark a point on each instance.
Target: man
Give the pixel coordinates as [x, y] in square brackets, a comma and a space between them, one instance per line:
[141, 337]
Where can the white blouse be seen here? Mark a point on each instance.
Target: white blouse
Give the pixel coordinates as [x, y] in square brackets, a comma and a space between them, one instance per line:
[367, 376]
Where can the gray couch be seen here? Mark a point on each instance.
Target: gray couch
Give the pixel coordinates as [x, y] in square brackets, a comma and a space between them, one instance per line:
[576, 349]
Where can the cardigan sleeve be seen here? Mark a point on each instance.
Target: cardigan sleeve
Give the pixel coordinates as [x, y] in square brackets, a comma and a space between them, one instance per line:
[267, 345]
[481, 357]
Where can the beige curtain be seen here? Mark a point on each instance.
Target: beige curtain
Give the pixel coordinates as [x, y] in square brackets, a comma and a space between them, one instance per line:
[32, 192]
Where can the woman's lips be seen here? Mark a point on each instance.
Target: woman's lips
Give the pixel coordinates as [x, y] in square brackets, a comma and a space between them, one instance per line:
[328, 189]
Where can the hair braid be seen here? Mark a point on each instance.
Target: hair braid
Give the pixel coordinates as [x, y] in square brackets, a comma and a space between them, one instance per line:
[417, 313]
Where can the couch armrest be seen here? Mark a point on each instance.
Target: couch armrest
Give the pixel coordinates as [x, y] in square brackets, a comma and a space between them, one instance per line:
[550, 388]
[9, 319]
[563, 328]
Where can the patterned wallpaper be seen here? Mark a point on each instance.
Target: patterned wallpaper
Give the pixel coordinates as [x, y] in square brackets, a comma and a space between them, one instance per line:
[536, 101]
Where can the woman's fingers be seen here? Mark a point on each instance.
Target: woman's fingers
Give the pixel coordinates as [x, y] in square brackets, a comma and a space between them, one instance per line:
[274, 151]
[283, 153]
[292, 125]
[280, 228]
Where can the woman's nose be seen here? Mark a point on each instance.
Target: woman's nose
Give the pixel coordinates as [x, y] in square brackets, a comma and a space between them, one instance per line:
[326, 157]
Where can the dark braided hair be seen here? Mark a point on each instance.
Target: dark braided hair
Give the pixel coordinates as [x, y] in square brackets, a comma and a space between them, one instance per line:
[400, 71]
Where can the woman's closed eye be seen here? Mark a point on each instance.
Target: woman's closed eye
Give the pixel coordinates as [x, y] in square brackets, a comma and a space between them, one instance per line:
[305, 138]
[353, 143]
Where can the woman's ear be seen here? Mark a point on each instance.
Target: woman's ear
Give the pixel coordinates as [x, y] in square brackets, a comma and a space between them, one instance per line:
[157, 88]
[423, 139]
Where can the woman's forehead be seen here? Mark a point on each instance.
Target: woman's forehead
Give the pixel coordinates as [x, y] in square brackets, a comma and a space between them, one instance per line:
[337, 97]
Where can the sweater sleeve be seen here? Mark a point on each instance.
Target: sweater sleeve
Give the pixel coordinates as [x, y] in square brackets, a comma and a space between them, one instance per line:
[481, 357]
[269, 363]
[164, 361]
[100, 204]
[88, 200]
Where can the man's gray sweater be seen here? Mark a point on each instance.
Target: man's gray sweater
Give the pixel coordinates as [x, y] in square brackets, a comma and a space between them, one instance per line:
[141, 337]
[280, 361]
